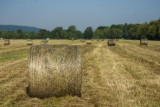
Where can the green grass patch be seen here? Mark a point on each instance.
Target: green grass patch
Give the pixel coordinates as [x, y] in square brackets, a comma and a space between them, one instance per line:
[14, 55]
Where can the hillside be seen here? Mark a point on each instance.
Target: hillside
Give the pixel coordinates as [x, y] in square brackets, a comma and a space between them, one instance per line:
[15, 27]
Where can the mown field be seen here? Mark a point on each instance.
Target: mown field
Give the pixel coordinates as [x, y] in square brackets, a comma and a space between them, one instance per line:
[127, 75]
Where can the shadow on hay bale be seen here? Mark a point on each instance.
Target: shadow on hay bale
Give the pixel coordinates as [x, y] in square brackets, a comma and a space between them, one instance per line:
[111, 42]
[144, 42]
[6, 42]
[44, 42]
[29, 42]
[54, 70]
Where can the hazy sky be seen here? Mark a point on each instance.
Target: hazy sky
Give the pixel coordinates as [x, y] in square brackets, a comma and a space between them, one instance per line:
[82, 13]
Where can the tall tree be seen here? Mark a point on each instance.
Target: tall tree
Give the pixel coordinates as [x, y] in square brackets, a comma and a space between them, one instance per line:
[20, 33]
[58, 33]
[88, 33]
[43, 34]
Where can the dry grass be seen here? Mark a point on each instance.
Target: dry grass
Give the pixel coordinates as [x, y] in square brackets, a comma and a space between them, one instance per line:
[54, 70]
[118, 76]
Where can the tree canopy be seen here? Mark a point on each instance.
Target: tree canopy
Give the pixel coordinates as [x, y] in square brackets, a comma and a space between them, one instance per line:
[149, 30]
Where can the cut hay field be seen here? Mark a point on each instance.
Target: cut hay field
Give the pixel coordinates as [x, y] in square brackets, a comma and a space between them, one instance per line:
[125, 75]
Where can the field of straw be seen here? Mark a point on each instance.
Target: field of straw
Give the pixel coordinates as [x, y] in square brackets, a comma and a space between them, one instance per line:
[126, 75]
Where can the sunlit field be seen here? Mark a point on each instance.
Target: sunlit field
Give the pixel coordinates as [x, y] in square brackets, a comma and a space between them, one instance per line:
[125, 75]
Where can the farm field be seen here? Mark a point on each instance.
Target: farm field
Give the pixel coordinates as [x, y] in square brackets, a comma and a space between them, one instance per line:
[127, 75]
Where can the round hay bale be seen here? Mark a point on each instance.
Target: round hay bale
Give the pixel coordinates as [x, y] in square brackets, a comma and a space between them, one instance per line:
[88, 42]
[111, 42]
[44, 42]
[54, 70]
[29, 42]
[82, 40]
[6, 42]
[48, 39]
[97, 40]
[144, 42]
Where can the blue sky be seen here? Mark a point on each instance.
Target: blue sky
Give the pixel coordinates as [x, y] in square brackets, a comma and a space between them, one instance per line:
[49, 14]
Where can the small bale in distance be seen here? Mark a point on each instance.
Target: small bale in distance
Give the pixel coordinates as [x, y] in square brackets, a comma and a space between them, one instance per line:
[144, 42]
[29, 42]
[48, 39]
[54, 70]
[97, 40]
[6, 42]
[88, 42]
[82, 40]
[111, 42]
[44, 42]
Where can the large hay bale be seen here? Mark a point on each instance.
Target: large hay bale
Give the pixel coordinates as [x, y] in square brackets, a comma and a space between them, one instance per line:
[54, 70]
[44, 42]
[6, 42]
[144, 42]
[111, 42]
[29, 42]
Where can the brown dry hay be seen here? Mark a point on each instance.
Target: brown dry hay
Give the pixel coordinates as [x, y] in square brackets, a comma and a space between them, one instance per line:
[54, 70]
[88, 42]
[29, 42]
[144, 42]
[44, 42]
[6, 42]
[111, 42]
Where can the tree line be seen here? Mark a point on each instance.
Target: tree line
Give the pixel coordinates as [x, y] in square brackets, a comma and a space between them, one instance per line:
[149, 30]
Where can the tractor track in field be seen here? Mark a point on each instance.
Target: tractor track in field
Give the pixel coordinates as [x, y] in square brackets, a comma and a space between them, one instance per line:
[9, 74]
[16, 81]
[11, 50]
[148, 58]
[8, 64]
[113, 80]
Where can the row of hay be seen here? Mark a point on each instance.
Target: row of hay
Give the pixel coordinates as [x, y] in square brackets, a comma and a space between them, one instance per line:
[29, 42]
[112, 42]
[42, 42]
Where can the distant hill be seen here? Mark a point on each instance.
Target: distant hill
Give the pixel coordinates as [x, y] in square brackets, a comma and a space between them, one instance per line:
[15, 27]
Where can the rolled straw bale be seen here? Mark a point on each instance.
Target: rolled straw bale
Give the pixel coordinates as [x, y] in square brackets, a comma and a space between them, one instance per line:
[88, 42]
[143, 42]
[6, 42]
[48, 39]
[82, 40]
[111, 42]
[44, 42]
[54, 70]
[29, 42]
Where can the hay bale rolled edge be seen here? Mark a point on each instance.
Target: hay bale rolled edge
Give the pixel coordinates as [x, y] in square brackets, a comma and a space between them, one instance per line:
[29, 42]
[144, 42]
[44, 42]
[54, 70]
[6, 42]
[111, 42]
[88, 42]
